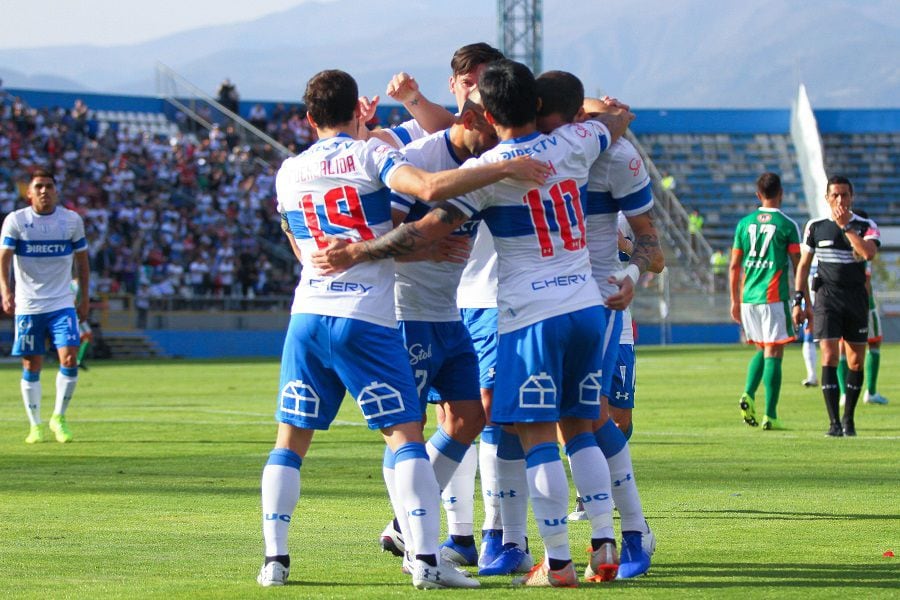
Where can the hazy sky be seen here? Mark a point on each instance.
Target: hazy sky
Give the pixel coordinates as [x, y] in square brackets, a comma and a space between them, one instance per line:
[36, 23]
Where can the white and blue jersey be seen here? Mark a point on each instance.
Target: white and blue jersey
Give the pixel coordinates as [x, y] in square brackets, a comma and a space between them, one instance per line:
[550, 321]
[406, 132]
[44, 247]
[342, 332]
[476, 297]
[618, 181]
[339, 188]
[543, 264]
[438, 346]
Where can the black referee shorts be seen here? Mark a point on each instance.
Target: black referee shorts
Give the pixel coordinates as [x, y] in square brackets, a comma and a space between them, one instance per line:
[841, 313]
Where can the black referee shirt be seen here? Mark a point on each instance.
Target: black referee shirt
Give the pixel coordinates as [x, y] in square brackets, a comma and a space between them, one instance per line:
[837, 264]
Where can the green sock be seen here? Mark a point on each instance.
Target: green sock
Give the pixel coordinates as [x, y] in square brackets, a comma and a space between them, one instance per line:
[873, 360]
[772, 381]
[842, 375]
[754, 374]
[82, 350]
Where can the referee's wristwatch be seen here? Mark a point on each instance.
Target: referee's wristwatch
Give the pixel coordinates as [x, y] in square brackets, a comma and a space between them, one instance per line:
[847, 227]
[798, 299]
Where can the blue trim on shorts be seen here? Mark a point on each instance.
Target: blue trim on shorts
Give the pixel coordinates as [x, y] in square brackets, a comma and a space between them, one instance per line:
[69, 371]
[509, 447]
[542, 453]
[284, 457]
[410, 451]
[610, 439]
[580, 442]
[491, 434]
[31, 376]
[447, 446]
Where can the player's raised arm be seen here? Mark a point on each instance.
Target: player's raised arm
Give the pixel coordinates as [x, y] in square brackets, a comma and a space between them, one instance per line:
[451, 183]
[614, 116]
[430, 116]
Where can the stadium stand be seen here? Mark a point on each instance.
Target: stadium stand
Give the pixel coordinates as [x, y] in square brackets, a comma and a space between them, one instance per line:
[186, 215]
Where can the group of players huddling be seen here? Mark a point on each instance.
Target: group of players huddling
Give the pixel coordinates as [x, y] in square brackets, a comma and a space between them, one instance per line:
[484, 247]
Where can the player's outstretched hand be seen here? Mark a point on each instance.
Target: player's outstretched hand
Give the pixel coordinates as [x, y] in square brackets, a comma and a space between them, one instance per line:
[403, 88]
[624, 280]
[333, 258]
[453, 249]
[525, 168]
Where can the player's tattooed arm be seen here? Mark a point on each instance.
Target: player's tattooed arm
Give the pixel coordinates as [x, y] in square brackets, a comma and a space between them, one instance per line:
[338, 255]
[647, 254]
[432, 117]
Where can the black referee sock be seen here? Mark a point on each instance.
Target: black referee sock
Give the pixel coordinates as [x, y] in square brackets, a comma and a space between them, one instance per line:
[854, 387]
[832, 393]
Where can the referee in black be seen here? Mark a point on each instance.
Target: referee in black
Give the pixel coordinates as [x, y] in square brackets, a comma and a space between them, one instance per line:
[843, 243]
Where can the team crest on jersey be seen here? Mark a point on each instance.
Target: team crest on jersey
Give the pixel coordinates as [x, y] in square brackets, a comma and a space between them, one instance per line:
[764, 217]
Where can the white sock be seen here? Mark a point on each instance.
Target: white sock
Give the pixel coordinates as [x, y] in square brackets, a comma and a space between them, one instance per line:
[809, 358]
[590, 473]
[512, 489]
[458, 496]
[548, 489]
[445, 454]
[65, 387]
[280, 493]
[624, 488]
[487, 467]
[396, 502]
[415, 483]
[31, 396]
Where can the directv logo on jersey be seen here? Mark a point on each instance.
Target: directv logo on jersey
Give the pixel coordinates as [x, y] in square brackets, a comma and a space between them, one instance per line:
[535, 148]
[33, 249]
[340, 286]
[561, 281]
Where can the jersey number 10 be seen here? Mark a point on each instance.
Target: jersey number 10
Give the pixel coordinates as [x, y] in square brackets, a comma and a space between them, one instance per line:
[566, 201]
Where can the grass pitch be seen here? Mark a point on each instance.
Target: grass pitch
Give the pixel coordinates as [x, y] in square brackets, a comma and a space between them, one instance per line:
[158, 494]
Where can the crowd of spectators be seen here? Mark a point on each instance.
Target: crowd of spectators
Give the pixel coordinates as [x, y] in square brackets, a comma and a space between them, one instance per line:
[186, 216]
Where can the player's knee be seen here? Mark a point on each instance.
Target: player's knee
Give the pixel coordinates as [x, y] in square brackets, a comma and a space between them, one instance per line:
[463, 420]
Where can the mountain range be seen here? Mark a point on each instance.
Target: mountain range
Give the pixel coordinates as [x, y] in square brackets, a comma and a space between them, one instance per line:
[650, 53]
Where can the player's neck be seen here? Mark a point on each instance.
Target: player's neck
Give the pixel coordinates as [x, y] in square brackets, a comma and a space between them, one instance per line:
[350, 128]
[456, 135]
[511, 133]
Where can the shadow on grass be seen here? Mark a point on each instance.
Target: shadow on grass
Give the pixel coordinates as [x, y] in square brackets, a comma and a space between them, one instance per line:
[790, 516]
[785, 575]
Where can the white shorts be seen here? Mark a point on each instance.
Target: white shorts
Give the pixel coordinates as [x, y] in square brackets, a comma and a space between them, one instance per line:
[767, 323]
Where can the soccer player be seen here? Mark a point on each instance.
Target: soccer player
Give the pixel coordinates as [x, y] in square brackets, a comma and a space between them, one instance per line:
[617, 181]
[342, 332]
[43, 241]
[842, 242]
[873, 358]
[550, 310]
[439, 347]
[764, 242]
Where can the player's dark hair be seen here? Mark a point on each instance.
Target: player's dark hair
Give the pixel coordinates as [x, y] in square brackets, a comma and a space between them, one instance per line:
[839, 180]
[560, 93]
[769, 185]
[331, 97]
[509, 93]
[468, 58]
[38, 173]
